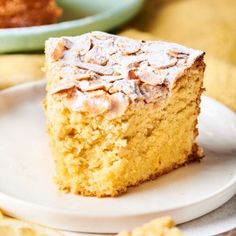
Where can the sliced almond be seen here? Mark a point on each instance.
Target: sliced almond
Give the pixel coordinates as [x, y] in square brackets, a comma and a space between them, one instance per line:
[153, 93]
[90, 85]
[62, 86]
[102, 70]
[74, 73]
[152, 47]
[129, 87]
[111, 78]
[132, 75]
[96, 56]
[128, 46]
[128, 61]
[100, 103]
[118, 105]
[62, 44]
[160, 61]
[177, 54]
[83, 45]
[95, 103]
[109, 47]
[149, 77]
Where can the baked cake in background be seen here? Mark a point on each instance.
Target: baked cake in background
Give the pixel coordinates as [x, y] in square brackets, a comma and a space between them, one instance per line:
[164, 226]
[120, 111]
[22, 13]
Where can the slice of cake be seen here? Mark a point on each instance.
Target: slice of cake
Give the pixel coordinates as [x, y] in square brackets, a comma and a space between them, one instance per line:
[21, 13]
[164, 226]
[120, 111]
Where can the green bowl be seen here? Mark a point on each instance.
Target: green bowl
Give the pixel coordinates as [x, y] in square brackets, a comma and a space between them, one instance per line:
[80, 16]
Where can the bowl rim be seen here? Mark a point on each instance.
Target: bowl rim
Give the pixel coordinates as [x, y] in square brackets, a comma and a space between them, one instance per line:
[65, 25]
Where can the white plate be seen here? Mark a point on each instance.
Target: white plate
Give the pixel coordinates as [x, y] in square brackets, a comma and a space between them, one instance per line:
[26, 173]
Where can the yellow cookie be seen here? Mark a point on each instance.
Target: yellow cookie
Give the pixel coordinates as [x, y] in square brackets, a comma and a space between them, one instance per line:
[164, 226]
[11, 227]
[16, 69]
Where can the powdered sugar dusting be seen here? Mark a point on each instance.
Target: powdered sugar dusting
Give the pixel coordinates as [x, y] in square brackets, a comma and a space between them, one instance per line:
[112, 64]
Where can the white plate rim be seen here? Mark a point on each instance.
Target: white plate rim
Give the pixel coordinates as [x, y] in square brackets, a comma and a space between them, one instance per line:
[229, 186]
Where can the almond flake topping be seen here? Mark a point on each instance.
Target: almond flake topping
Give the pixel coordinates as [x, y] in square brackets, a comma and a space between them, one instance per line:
[118, 106]
[176, 54]
[128, 46]
[132, 75]
[109, 72]
[63, 44]
[129, 87]
[162, 62]
[95, 103]
[150, 77]
[102, 70]
[96, 56]
[83, 45]
[62, 86]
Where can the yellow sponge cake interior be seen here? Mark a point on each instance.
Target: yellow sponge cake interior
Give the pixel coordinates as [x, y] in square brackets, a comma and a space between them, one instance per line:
[120, 111]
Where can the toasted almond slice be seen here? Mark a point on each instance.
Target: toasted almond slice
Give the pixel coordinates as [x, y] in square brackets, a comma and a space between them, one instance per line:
[62, 44]
[129, 87]
[118, 105]
[177, 54]
[96, 56]
[83, 45]
[12, 227]
[128, 46]
[109, 47]
[95, 103]
[61, 86]
[162, 62]
[132, 75]
[149, 77]
[103, 70]
[129, 60]
[111, 78]
[74, 73]
[152, 93]
[92, 85]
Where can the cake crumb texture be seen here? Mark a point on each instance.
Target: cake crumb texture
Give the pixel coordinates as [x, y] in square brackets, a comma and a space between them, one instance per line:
[164, 226]
[106, 138]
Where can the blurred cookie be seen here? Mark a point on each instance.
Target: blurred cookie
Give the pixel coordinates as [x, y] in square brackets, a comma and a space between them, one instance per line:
[163, 226]
[16, 69]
